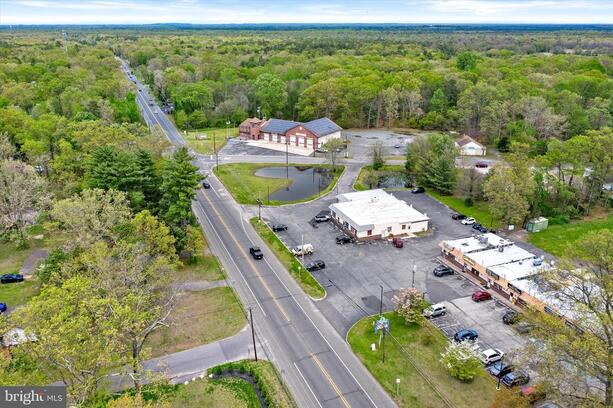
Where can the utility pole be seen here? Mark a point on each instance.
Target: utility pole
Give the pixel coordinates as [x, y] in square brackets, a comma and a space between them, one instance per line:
[286, 159]
[500, 377]
[413, 279]
[383, 345]
[381, 302]
[259, 209]
[215, 151]
[255, 351]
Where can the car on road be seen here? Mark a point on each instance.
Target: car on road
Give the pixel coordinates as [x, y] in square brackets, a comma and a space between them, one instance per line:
[344, 239]
[466, 334]
[156, 111]
[278, 227]
[515, 378]
[322, 218]
[11, 278]
[305, 249]
[510, 317]
[442, 270]
[437, 309]
[316, 265]
[256, 252]
[468, 221]
[418, 190]
[499, 369]
[3, 307]
[458, 216]
[481, 165]
[397, 146]
[150, 102]
[205, 184]
[481, 295]
[490, 356]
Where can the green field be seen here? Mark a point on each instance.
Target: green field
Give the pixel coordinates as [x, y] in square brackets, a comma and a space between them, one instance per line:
[246, 187]
[304, 278]
[479, 210]
[557, 238]
[199, 318]
[205, 146]
[359, 181]
[415, 391]
[14, 294]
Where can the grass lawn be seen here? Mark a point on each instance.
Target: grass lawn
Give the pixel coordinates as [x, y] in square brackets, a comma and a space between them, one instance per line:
[199, 318]
[304, 278]
[223, 392]
[415, 392]
[205, 146]
[14, 294]
[204, 266]
[359, 181]
[556, 238]
[479, 211]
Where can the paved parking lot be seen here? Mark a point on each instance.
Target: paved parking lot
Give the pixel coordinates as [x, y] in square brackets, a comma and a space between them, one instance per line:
[354, 273]
[362, 140]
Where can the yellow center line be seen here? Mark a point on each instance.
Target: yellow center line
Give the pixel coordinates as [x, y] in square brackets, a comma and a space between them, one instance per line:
[332, 383]
[248, 260]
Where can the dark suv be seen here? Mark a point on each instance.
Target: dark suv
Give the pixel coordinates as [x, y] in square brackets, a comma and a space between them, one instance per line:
[256, 252]
[11, 277]
[344, 239]
[278, 227]
[315, 265]
[510, 317]
[514, 378]
[442, 270]
[466, 334]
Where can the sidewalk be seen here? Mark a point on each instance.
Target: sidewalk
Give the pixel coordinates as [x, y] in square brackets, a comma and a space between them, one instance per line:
[185, 365]
[280, 147]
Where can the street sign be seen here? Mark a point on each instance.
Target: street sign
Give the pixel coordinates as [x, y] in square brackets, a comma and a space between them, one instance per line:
[382, 324]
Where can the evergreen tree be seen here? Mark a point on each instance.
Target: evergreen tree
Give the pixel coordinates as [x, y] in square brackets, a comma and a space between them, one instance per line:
[438, 102]
[103, 171]
[148, 179]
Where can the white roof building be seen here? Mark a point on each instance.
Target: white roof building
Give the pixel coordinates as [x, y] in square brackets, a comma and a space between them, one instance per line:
[498, 256]
[476, 243]
[376, 214]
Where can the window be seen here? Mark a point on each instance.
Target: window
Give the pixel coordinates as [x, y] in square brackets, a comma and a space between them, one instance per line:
[389, 229]
[521, 302]
[497, 286]
[549, 310]
[514, 288]
[404, 226]
[493, 275]
[353, 230]
[369, 233]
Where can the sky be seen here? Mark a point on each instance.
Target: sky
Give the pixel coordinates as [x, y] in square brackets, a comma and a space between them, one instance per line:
[305, 11]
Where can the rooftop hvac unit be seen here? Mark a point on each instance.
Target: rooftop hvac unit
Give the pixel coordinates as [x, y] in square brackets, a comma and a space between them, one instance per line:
[500, 248]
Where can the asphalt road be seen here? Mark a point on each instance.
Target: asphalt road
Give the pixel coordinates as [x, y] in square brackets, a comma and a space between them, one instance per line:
[314, 361]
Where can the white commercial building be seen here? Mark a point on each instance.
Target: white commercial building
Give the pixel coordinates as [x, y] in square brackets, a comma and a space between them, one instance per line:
[376, 214]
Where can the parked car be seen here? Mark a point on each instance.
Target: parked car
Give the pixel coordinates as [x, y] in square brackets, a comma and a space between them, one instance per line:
[481, 295]
[344, 239]
[481, 165]
[3, 307]
[205, 184]
[468, 221]
[458, 216]
[533, 394]
[418, 190]
[397, 242]
[490, 356]
[466, 334]
[442, 270]
[278, 227]
[437, 309]
[547, 404]
[515, 378]
[256, 252]
[305, 249]
[321, 150]
[482, 229]
[316, 265]
[476, 225]
[11, 278]
[510, 317]
[499, 369]
[322, 218]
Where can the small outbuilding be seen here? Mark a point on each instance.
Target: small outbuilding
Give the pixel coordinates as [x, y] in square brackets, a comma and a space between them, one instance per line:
[376, 214]
[468, 146]
[537, 224]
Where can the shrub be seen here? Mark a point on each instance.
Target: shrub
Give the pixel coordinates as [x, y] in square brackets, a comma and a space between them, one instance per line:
[462, 360]
[469, 202]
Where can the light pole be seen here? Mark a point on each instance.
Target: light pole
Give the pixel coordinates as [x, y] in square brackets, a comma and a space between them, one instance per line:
[413, 279]
[500, 377]
[259, 209]
[381, 302]
[286, 158]
[215, 151]
[255, 351]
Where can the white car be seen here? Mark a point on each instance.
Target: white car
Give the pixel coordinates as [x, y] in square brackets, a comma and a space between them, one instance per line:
[468, 221]
[490, 356]
[437, 309]
[305, 249]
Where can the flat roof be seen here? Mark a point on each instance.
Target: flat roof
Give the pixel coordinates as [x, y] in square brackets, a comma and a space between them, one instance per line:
[495, 256]
[373, 208]
[362, 195]
[519, 269]
[476, 242]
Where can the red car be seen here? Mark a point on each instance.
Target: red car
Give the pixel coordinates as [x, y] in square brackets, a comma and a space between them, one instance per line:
[480, 295]
[397, 242]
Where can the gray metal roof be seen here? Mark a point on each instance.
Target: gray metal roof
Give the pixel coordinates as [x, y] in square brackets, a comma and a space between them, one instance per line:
[322, 126]
[279, 125]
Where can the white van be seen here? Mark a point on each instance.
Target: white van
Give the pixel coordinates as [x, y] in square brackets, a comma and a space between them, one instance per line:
[305, 249]
[437, 309]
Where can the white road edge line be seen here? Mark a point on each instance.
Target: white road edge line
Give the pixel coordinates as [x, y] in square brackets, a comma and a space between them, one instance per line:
[307, 384]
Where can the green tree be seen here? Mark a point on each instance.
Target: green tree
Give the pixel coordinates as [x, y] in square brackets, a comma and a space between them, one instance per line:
[271, 94]
[461, 360]
[148, 180]
[438, 102]
[509, 194]
[467, 61]
[431, 160]
[180, 180]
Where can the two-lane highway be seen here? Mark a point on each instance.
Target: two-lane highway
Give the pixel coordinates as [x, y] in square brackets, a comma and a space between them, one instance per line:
[314, 361]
